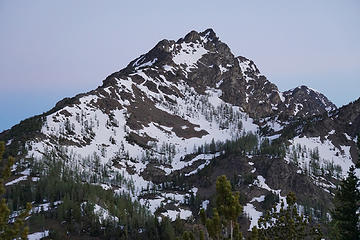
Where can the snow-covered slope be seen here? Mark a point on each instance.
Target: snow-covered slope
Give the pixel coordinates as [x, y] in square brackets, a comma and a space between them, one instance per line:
[87, 133]
[328, 142]
[148, 121]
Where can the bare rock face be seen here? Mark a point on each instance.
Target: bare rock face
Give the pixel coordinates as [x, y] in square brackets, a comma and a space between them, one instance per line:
[304, 101]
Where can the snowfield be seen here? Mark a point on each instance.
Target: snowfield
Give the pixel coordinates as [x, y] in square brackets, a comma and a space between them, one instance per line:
[328, 153]
[189, 55]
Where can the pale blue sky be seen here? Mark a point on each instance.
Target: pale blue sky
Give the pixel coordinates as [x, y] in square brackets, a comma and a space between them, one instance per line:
[55, 49]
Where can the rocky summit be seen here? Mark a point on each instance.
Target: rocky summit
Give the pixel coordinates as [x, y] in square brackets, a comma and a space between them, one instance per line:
[161, 130]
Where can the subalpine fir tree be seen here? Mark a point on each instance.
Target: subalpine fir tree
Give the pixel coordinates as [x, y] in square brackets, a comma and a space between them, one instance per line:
[223, 224]
[213, 225]
[188, 236]
[17, 229]
[227, 203]
[347, 205]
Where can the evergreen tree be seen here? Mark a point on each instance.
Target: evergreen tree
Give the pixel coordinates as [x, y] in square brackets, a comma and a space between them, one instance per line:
[347, 204]
[226, 213]
[17, 229]
[227, 202]
[254, 234]
[213, 225]
[166, 230]
[201, 235]
[188, 236]
[212, 146]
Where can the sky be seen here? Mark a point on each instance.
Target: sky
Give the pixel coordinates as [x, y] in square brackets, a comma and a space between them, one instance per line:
[55, 49]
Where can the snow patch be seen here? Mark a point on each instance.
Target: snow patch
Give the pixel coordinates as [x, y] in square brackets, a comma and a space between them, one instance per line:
[281, 95]
[189, 55]
[298, 108]
[218, 84]
[253, 214]
[146, 64]
[102, 213]
[205, 204]
[223, 69]
[258, 199]
[169, 68]
[22, 178]
[173, 214]
[38, 235]
[348, 137]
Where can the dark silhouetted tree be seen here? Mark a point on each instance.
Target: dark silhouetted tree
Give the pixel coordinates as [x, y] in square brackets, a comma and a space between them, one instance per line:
[223, 224]
[16, 229]
[346, 211]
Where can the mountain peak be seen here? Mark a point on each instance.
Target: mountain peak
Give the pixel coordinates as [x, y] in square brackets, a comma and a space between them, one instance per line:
[205, 36]
[209, 33]
[194, 44]
[203, 61]
[151, 123]
[308, 101]
[192, 36]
